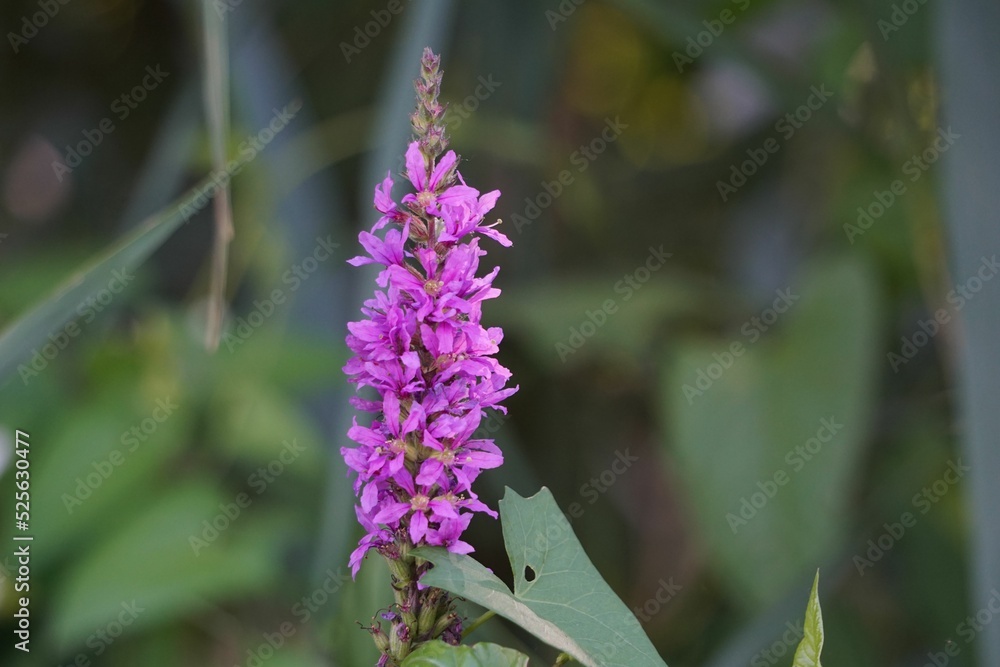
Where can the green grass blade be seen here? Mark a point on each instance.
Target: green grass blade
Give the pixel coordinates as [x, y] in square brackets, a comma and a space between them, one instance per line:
[32, 329]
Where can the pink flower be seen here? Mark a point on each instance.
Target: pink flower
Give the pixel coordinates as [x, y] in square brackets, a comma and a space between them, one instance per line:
[422, 347]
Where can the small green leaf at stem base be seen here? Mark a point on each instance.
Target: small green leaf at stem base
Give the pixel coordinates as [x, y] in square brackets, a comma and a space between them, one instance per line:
[439, 654]
[807, 654]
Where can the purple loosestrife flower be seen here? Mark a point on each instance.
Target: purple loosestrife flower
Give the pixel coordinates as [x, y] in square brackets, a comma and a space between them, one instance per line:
[423, 349]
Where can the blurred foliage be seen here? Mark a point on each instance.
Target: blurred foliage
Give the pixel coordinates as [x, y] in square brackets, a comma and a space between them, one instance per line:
[271, 585]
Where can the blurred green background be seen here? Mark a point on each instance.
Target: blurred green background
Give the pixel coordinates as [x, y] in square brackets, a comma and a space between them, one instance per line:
[750, 312]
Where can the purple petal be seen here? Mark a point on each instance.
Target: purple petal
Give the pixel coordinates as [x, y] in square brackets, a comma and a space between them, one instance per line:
[369, 497]
[430, 471]
[416, 170]
[418, 527]
[383, 195]
[460, 547]
[392, 512]
[446, 162]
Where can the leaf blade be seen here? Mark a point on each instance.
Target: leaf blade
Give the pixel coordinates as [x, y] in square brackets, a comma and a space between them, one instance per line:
[483, 654]
[566, 602]
[795, 432]
[808, 652]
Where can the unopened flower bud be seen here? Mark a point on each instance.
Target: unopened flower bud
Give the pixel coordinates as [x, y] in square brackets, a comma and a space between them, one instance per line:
[427, 620]
[399, 642]
[381, 639]
[449, 629]
[400, 570]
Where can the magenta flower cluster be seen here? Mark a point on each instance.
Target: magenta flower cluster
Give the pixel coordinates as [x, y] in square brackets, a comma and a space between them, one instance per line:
[423, 348]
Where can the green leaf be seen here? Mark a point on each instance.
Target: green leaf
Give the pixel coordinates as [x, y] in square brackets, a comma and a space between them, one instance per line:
[807, 654]
[149, 564]
[439, 654]
[547, 315]
[559, 596]
[768, 436]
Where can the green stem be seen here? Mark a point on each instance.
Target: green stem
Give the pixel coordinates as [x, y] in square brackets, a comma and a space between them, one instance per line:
[562, 659]
[476, 623]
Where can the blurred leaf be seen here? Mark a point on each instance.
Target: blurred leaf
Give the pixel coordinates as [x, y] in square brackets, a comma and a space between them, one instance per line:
[25, 278]
[768, 440]
[292, 361]
[253, 420]
[439, 654]
[33, 328]
[95, 467]
[558, 594]
[808, 652]
[150, 563]
[550, 316]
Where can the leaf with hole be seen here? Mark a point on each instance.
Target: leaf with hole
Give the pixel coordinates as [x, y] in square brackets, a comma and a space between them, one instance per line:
[559, 596]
